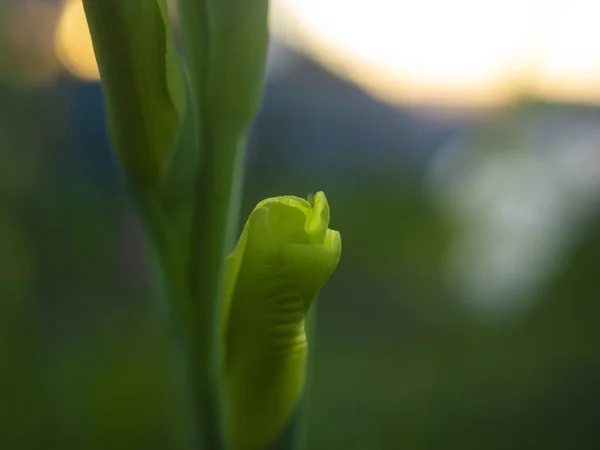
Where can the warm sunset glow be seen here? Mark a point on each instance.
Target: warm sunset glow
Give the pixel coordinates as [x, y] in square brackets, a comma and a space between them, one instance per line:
[74, 44]
[472, 52]
[464, 51]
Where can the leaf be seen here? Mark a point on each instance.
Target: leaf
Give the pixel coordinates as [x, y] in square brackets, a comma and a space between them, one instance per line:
[284, 256]
[142, 82]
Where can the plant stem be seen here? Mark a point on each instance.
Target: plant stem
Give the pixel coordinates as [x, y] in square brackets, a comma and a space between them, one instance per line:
[216, 203]
[170, 281]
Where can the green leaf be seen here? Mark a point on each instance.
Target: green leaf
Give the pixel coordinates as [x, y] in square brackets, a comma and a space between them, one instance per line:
[284, 256]
[142, 82]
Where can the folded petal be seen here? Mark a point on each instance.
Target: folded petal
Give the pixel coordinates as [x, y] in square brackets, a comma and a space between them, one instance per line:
[283, 258]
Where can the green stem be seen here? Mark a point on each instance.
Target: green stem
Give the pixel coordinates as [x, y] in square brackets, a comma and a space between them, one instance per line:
[216, 204]
[175, 301]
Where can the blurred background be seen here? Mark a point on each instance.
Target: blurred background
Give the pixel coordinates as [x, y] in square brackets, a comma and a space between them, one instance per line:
[458, 143]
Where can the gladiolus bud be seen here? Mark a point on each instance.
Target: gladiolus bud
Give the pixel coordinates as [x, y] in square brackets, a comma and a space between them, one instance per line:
[284, 256]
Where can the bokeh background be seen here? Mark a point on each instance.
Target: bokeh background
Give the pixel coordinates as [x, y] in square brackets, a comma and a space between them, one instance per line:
[458, 143]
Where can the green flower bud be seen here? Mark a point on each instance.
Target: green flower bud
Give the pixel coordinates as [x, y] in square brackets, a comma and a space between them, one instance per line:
[226, 43]
[237, 64]
[142, 81]
[284, 256]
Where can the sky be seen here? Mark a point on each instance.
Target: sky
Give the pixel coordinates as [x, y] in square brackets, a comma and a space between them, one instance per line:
[463, 52]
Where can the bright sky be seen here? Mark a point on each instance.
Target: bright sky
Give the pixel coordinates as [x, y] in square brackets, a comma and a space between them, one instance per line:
[74, 44]
[458, 51]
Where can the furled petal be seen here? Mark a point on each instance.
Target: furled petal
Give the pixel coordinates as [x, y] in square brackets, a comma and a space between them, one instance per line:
[283, 258]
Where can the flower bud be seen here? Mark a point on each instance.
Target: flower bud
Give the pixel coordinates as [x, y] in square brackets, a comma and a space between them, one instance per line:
[142, 81]
[284, 256]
